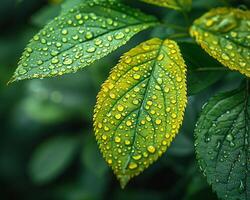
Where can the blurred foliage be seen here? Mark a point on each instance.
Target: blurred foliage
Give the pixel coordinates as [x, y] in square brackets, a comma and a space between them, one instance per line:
[47, 147]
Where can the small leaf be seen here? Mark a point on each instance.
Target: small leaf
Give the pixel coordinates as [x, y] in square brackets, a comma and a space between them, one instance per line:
[140, 107]
[224, 34]
[51, 158]
[79, 37]
[222, 143]
[174, 4]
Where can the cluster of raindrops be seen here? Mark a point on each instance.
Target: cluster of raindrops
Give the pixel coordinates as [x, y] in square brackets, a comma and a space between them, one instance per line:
[79, 37]
[224, 34]
[222, 143]
[140, 107]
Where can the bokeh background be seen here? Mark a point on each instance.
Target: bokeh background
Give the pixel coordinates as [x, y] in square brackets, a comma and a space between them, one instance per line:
[47, 146]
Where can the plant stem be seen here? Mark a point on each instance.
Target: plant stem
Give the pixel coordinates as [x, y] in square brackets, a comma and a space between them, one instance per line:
[179, 35]
[174, 26]
[211, 69]
[185, 15]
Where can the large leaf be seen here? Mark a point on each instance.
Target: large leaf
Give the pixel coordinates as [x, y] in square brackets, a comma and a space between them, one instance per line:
[224, 34]
[174, 4]
[79, 37]
[140, 107]
[223, 143]
[51, 158]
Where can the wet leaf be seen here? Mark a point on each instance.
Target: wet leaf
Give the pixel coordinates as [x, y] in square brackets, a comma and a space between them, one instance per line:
[79, 37]
[140, 107]
[174, 4]
[222, 143]
[224, 34]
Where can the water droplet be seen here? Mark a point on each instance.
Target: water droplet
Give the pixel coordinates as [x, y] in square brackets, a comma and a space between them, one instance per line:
[91, 49]
[67, 61]
[158, 121]
[151, 149]
[209, 22]
[179, 79]
[136, 76]
[88, 35]
[160, 57]
[110, 161]
[119, 35]
[22, 71]
[64, 32]
[120, 108]
[78, 16]
[118, 116]
[128, 123]
[132, 165]
[127, 142]
[54, 60]
[225, 57]
[112, 95]
[128, 59]
[117, 139]
[149, 103]
[137, 157]
[104, 137]
[229, 138]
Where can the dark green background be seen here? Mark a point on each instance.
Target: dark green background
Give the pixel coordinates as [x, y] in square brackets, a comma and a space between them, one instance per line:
[47, 145]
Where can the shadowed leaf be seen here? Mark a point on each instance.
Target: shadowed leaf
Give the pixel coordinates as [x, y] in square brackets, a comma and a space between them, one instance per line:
[222, 143]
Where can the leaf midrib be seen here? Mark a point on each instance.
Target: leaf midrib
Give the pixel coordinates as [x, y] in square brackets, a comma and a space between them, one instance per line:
[142, 104]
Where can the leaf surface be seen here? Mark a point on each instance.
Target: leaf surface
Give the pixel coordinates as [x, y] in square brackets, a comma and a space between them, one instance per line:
[79, 37]
[174, 4]
[222, 143]
[140, 107]
[224, 34]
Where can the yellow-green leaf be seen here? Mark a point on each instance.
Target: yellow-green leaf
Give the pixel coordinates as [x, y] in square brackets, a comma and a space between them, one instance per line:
[225, 34]
[140, 107]
[174, 4]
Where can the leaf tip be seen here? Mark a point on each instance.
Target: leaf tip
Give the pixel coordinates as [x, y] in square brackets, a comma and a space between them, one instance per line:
[12, 80]
[123, 179]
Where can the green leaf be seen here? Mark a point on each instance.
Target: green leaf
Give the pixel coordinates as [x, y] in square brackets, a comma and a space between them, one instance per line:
[224, 34]
[222, 143]
[79, 37]
[140, 107]
[51, 158]
[203, 70]
[174, 4]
